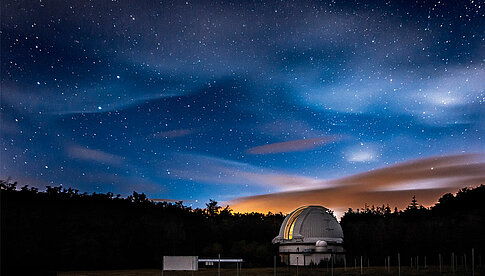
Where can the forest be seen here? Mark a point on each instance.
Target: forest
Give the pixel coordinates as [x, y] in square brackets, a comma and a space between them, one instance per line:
[454, 225]
[63, 229]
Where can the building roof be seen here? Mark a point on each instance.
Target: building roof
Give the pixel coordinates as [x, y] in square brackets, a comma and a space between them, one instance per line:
[309, 224]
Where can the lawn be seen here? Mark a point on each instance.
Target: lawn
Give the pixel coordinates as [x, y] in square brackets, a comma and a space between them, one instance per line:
[283, 271]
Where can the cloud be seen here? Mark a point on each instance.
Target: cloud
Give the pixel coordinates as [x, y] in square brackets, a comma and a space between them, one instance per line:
[426, 178]
[288, 127]
[213, 170]
[284, 182]
[447, 169]
[362, 153]
[291, 146]
[99, 156]
[172, 133]
[42, 100]
[170, 200]
[122, 183]
[431, 97]
[361, 156]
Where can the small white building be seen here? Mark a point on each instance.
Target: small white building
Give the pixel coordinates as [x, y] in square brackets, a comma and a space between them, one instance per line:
[310, 234]
[181, 263]
[173, 263]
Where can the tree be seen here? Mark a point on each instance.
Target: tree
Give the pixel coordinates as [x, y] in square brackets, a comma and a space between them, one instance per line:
[413, 205]
[212, 208]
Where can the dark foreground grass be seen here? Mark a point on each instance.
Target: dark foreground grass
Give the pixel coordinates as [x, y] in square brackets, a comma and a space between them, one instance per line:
[281, 271]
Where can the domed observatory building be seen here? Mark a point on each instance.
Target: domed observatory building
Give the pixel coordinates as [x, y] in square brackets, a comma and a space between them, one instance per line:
[310, 234]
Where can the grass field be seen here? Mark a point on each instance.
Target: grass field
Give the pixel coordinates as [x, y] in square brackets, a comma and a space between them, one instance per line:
[283, 271]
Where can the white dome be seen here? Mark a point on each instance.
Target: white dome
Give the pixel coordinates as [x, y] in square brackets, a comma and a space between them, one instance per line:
[320, 243]
[309, 224]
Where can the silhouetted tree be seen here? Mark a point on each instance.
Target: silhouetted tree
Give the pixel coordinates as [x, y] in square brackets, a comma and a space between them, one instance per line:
[212, 207]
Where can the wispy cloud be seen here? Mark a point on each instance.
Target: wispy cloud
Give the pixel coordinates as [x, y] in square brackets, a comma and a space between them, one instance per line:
[172, 133]
[170, 200]
[291, 146]
[99, 156]
[431, 100]
[361, 156]
[426, 178]
[288, 127]
[213, 170]
[362, 153]
[38, 97]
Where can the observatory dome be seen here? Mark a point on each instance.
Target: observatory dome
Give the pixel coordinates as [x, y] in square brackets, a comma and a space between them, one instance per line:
[310, 234]
[310, 224]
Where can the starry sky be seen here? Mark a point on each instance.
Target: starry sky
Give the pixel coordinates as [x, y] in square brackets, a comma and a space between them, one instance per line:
[263, 105]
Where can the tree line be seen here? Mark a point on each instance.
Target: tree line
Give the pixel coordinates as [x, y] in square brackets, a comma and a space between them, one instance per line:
[63, 229]
[455, 224]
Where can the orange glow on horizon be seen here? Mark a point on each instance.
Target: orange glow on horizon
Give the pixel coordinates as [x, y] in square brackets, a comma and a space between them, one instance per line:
[428, 179]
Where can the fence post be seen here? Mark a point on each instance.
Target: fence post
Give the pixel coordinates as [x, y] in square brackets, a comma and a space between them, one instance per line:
[399, 264]
[456, 263]
[345, 263]
[439, 261]
[331, 258]
[473, 262]
[296, 266]
[417, 264]
[361, 271]
[453, 262]
[274, 265]
[219, 266]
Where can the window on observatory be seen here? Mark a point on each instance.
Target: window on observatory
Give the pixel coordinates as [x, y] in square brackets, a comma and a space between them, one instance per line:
[290, 234]
[290, 225]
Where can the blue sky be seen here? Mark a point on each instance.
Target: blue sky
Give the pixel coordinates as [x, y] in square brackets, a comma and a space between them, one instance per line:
[192, 100]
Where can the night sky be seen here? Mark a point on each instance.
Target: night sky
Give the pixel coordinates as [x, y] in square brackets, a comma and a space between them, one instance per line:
[264, 105]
